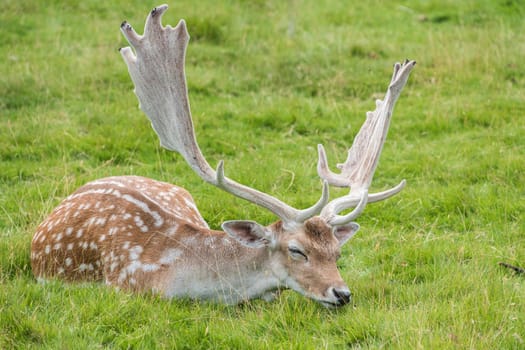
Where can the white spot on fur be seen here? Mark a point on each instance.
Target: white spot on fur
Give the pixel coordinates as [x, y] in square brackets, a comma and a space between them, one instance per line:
[122, 275]
[134, 252]
[135, 266]
[84, 267]
[140, 224]
[149, 267]
[69, 261]
[172, 230]
[156, 216]
[190, 204]
[100, 221]
[69, 231]
[47, 249]
[169, 256]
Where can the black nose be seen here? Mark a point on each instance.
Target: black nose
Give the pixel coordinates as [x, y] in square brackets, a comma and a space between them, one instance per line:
[343, 296]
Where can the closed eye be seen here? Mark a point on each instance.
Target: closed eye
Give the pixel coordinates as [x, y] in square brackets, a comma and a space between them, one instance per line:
[297, 254]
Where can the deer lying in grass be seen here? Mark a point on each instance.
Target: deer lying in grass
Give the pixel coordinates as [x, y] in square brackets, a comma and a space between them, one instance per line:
[144, 235]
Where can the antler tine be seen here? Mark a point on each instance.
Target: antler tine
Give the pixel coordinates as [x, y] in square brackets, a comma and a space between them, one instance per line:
[340, 204]
[153, 21]
[157, 71]
[358, 169]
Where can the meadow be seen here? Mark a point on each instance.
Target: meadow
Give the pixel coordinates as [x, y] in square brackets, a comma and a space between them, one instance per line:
[268, 81]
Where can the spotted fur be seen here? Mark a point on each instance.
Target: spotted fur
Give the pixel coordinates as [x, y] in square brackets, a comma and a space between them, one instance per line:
[143, 235]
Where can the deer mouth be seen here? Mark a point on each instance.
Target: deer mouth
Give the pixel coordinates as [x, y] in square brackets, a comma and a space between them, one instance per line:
[331, 305]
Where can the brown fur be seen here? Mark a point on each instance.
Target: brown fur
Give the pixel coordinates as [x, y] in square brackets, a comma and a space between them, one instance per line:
[84, 237]
[143, 235]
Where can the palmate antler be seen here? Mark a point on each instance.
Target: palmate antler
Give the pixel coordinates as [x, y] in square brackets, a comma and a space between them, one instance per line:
[157, 70]
[358, 169]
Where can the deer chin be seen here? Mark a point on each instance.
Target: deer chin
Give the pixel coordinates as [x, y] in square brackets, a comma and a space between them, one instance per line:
[329, 303]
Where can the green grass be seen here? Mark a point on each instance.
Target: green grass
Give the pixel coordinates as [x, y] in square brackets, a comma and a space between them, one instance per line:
[269, 80]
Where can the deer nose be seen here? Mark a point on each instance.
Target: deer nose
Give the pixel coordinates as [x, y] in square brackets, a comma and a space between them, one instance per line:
[342, 295]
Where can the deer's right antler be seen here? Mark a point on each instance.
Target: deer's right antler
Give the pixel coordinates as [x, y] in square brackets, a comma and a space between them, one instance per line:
[157, 70]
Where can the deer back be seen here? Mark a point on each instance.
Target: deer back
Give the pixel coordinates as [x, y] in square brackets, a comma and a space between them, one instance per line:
[113, 227]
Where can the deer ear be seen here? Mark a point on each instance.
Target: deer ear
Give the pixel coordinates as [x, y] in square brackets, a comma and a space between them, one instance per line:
[344, 232]
[248, 233]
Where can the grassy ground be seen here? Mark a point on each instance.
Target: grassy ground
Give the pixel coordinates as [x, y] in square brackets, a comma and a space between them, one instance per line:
[268, 81]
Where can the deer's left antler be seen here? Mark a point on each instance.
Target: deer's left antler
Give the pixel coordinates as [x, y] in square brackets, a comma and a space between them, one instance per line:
[358, 169]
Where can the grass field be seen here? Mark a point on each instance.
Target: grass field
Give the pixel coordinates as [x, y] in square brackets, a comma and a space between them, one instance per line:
[268, 81]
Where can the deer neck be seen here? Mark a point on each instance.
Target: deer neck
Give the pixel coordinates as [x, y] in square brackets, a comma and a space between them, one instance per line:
[222, 269]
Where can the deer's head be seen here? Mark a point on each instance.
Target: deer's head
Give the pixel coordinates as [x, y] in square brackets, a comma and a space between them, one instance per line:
[303, 257]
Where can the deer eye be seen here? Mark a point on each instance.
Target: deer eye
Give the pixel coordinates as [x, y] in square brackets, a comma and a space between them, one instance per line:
[297, 254]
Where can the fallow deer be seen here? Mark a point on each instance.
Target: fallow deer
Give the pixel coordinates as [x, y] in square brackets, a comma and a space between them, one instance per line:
[143, 235]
